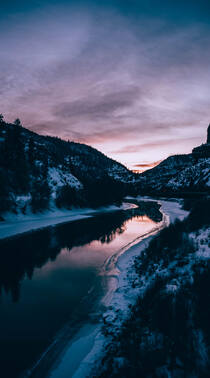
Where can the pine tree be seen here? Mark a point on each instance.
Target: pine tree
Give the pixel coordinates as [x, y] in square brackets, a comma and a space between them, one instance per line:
[1, 119]
[17, 122]
[15, 159]
[40, 194]
[31, 154]
[208, 135]
[20, 157]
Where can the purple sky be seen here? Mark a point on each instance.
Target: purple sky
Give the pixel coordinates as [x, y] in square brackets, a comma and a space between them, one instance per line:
[137, 88]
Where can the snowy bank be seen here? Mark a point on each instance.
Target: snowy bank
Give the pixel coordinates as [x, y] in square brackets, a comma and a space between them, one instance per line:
[15, 224]
[170, 311]
[86, 349]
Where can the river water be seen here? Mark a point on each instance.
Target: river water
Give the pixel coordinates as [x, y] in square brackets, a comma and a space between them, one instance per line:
[52, 278]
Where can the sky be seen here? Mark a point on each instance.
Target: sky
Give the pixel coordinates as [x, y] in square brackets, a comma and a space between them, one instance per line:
[128, 77]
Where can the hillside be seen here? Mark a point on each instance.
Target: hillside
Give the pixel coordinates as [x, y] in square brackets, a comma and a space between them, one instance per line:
[38, 172]
[41, 172]
[179, 174]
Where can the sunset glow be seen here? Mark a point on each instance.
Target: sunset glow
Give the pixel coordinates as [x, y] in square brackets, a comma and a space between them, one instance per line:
[131, 81]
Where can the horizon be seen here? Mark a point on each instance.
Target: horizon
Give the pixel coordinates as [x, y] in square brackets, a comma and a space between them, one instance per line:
[139, 168]
[130, 80]
[104, 188]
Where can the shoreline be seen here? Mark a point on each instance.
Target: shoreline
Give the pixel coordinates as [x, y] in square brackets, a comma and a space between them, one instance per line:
[67, 338]
[120, 294]
[16, 225]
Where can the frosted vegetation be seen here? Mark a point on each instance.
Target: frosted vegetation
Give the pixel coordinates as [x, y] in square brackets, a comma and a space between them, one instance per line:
[178, 175]
[40, 172]
[167, 332]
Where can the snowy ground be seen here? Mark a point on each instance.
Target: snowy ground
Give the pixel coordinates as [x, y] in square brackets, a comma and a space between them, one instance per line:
[19, 224]
[86, 348]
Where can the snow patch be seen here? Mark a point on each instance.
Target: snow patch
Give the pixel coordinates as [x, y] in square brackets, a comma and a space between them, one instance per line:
[15, 224]
[120, 297]
[58, 178]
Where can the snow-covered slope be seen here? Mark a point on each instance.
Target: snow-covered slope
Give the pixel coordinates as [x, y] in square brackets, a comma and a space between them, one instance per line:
[38, 171]
[58, 178]
[196, 176]
[178, 173]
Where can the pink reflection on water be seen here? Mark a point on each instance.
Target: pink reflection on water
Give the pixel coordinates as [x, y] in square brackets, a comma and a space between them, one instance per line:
[94, 254]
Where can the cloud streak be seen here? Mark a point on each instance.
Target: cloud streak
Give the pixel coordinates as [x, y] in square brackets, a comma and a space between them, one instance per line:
[133, 82]
[98, 107]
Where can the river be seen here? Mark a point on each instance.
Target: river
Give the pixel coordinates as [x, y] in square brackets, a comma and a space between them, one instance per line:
[50, 281]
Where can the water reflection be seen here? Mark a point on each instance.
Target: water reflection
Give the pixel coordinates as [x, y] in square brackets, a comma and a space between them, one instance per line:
[45, 275]
[20, 256]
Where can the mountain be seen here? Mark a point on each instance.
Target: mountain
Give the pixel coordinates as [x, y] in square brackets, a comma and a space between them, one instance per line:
[42, 172]
[38, 172]
[179, 174]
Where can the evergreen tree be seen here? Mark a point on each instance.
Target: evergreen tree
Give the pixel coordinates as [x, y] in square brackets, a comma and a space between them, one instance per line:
[17, 122]
[1, 119]
[67, 197]
[208, 135]
[15, 159]
[40, 194]
[5, 200]
[31, 156]
[22, 172]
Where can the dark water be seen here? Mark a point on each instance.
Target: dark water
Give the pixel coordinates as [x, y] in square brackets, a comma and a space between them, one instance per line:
[47, 276]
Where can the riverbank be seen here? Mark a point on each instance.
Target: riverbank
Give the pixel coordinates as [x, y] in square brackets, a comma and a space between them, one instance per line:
[50, 283]
[16, 224]
[86, 348]
[171, 311]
